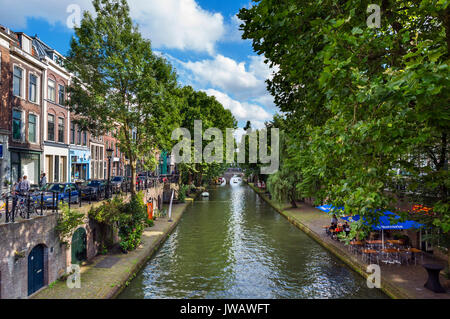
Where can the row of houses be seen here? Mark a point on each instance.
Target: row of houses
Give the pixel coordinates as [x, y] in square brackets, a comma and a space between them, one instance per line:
[37, 130]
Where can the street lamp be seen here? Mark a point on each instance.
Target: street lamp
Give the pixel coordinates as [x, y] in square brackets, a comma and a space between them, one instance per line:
[161, 163]
[109, 153]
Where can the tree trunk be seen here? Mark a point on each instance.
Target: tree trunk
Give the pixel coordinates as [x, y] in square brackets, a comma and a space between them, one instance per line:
[133, 176]
[293, 203]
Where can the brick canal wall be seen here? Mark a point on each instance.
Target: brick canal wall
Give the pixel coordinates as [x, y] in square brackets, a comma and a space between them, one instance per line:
[17, 241]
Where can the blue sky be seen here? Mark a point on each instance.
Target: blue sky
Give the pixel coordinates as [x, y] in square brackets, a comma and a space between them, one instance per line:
[201, 39]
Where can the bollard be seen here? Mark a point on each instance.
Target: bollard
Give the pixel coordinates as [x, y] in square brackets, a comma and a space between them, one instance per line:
[57, 201]
[53, 199]
[90, 196]
[70, 197]
[28, 206]
[42, 203]
[7, 209]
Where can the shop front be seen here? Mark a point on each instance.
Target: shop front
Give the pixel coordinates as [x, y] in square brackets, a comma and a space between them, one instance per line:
[79, 165]
[56, 164]
[25, 163]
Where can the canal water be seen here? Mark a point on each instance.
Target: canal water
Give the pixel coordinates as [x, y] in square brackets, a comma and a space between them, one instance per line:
[234, 245]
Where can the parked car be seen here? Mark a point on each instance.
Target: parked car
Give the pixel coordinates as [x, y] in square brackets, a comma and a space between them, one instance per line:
[117, 182]
[63, 193]
[94, 189]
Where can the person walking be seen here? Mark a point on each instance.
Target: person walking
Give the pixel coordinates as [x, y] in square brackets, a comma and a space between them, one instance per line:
[15, 192]
[15, 188]
[24, 186]
[43, 181]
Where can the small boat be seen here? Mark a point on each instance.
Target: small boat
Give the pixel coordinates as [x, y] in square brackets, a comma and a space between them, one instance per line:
[205, 194]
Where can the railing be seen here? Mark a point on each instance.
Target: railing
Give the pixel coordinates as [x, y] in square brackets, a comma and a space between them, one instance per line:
[26, 206]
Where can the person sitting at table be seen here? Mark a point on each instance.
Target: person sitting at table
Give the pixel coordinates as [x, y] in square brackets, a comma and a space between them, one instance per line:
[347, 228]
[334, 220]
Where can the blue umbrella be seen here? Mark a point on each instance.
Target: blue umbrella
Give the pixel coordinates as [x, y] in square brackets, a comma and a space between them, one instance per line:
[385, 223]
[328, 208]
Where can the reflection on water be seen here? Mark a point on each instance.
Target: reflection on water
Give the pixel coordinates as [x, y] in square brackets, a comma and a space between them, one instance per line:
[234, 245]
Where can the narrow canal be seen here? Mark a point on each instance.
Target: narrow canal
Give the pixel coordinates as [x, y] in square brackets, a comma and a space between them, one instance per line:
[234, 245]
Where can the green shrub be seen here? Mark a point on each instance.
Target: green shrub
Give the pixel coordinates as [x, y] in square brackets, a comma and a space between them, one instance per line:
[129, 218]
[182, 193]
[68, 221]
[150, 223]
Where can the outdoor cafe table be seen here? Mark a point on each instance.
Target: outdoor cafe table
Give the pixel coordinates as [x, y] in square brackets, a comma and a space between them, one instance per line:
[391, 251]
[355, 244]
[415, 251]
[433, 278]
[396, 242]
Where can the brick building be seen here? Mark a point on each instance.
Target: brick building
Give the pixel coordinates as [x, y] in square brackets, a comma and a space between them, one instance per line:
[5, 112]
[55, 113]
[117, 159]
[97, 157]
[26, 140]
[79, 152]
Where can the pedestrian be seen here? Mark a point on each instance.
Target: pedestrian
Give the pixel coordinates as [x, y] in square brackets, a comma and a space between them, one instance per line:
[24, 186]
[15, 188]
[15, 191]
[347, 228]
[43, 181]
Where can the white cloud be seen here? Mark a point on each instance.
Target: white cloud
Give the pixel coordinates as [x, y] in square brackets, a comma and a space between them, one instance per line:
[233, 34]
[178, 24]
[226, 74]
[52, 11]
[174, 24]
[242, 111]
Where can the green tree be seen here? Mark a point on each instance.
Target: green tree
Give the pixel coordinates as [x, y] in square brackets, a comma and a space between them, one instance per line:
[119, 82]
[199, 106]
[362, 104]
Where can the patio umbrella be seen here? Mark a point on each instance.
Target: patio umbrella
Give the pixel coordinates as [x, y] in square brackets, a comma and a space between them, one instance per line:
[329, 208]
[385, 223]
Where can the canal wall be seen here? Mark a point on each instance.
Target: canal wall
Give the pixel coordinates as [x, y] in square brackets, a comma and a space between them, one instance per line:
[106, 276]
[388, 287]
[20, 241]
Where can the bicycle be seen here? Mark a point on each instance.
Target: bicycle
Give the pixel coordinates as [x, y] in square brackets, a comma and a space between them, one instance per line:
[24, 209]
[160, 213]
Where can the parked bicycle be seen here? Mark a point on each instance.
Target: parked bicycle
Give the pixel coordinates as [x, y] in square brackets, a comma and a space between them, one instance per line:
[25, 205]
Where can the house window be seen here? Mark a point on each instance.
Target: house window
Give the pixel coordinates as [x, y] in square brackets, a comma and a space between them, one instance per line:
[84, 138]
[51, 90]
[17, 125]
[72, 133]
[32, 128]
[33, 88]
[51, 128]
[17, 81]
[61, 91]
[79, 136]
[61, 130]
